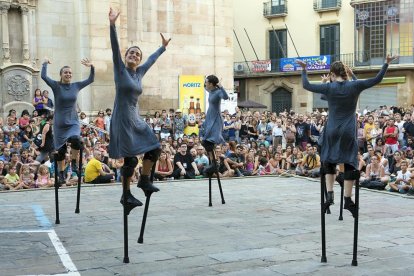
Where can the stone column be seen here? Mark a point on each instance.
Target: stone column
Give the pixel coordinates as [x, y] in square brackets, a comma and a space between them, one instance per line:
[26, 53]
[4, 9]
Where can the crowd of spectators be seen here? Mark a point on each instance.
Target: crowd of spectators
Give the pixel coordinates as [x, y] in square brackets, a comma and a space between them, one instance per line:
[257, 143]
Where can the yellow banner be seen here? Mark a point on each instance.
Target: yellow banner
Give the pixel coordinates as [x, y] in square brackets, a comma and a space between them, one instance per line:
[191, 100]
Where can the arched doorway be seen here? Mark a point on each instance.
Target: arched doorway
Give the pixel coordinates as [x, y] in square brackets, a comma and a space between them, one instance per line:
[281, 100]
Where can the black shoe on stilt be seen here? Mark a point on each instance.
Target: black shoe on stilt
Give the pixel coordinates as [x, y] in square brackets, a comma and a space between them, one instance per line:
[146, 185]
[350, 206]
[329, 201]
[340, 179]
[131, 202]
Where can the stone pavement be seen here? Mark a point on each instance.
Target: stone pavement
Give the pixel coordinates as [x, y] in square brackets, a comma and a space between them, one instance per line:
[268, 226]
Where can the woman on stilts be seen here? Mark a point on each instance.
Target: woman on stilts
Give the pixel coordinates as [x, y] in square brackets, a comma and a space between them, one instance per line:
[339, 143]
[129, 134]
[213, 125]
[66, 126]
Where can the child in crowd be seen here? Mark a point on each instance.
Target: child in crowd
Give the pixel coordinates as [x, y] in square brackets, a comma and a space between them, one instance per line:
[402, 183]
[43, 178]
[26, 177]
[12, 180]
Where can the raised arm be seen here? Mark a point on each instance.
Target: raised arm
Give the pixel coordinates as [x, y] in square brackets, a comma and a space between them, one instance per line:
[116, 54]
[223, 93]
[378, 78]
[153, 58]
[51, 83]
[150, 61]
[91, 77]
[316, 88]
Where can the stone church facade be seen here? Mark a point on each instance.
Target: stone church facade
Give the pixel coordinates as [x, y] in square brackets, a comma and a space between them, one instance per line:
[67, 31]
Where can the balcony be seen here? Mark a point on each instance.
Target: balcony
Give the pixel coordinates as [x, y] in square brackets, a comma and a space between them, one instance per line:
[353, 60]
[270, 10]
[358, 2]
[327, 5]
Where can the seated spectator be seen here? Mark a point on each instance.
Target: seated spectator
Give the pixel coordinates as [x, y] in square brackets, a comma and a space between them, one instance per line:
[395, 163]
[15, 162]
[265, 168]
[27, 177]
[278, 164]
[223, 166]
[11, 130]
[184, 165]
[250, 165]
[293, 159]
[3, 172]
[43, 178]
[24, 120]
[12, 180]
[26, 137]
[403, 181]
[201, 159]
[311, 163]
[375, 177]
[94, 172]
[163, 167]
[236, 160]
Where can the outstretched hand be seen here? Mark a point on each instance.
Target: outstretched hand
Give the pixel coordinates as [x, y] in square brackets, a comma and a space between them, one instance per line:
[301, 63]
[390, 58]
[165, 41]
[86, 62]
[46, 60]
[325, 78]
[113, 16]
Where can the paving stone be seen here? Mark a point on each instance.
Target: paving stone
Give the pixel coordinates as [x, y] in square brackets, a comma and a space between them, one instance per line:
[254, 233]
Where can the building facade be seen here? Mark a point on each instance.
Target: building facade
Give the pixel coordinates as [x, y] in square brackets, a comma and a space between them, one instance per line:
[358, 32]
[67, 31]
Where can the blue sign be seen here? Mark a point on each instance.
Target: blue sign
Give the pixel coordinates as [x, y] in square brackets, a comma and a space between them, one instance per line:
[312, 63]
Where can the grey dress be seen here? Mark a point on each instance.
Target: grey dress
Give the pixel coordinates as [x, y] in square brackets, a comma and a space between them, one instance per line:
[213, 125]
[339, 143]
[129, 134]
[65, 121]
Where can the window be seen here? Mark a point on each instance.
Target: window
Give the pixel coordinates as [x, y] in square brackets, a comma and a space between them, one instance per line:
[381, 28]
[330, 41]
[275, 49]
[278, 6]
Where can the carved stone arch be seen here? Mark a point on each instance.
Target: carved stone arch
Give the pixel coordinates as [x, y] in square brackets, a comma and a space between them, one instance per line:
[278, 92]
[271, 85]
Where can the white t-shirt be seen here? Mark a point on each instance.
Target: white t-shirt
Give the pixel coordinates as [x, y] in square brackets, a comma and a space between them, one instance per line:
[405, 176]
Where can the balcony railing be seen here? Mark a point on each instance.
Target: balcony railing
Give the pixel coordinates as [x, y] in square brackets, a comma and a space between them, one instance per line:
[357, 2]
[271, 10]
[326, 5]
[355, 60]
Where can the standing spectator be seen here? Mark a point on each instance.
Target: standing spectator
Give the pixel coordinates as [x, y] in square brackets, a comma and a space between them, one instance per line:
[252, 131]
[38, 101]
[107, 119]
[83, 118]
[165, 123]
[277, 133]
[179, 124]
[184, 165]
[390, 135]
[302, 132]
[368, 131]
[48, 106]
[400, 124]
[99, 122]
